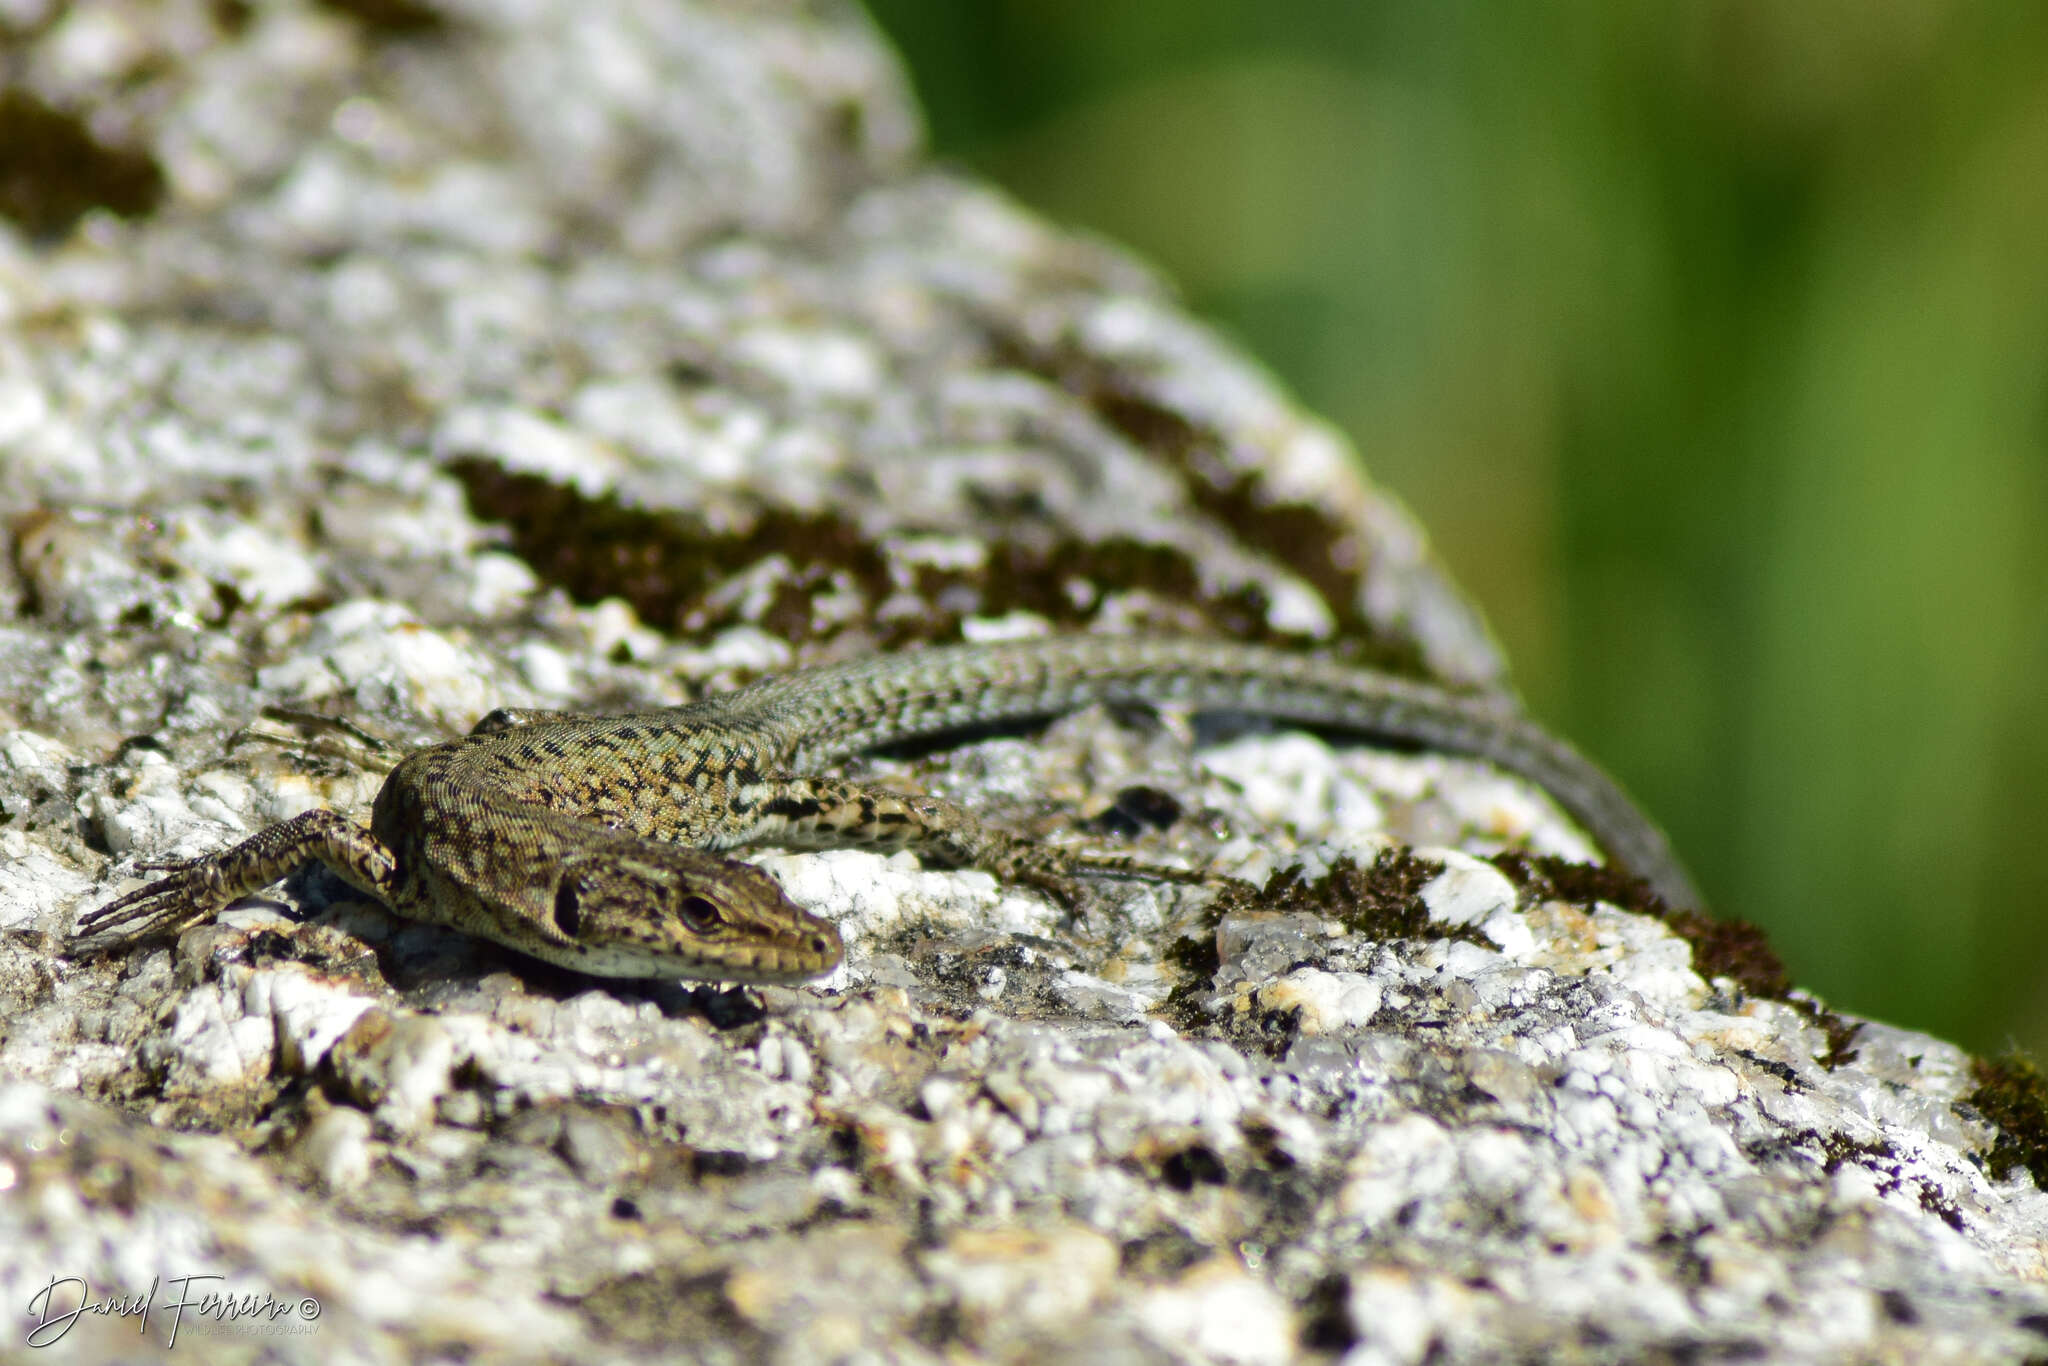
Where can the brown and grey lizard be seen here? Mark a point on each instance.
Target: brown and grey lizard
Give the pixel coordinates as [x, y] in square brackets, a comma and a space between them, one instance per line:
[592, 841]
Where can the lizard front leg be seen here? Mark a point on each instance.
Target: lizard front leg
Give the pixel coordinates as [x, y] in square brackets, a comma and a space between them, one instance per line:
[197, 888]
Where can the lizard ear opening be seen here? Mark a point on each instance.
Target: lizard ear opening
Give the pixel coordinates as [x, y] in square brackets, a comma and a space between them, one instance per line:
[569, 905]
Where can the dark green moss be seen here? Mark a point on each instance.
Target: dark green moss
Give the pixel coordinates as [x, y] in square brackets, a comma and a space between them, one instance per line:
[671, 1303]
[1383, 901]
[392, 18]
[1326, 1316]
[53, 170]
[2012, 1095]
[231, 17]
[1163, 1254]
[1734, 949]
[1195, 955]
[1194, 960]
[666, 565]
[1313, 544]
[1547, 877]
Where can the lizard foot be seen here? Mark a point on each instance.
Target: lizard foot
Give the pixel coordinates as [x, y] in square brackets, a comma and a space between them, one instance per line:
[194, 890]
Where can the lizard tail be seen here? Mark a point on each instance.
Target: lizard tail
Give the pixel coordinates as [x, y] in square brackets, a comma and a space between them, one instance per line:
[844, 709]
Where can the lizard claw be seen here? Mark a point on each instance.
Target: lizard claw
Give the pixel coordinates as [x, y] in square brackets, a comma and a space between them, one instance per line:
[191, 892]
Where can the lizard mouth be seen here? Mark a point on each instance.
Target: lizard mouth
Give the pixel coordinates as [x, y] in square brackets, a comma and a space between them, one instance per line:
[775, 965]
[789, 960]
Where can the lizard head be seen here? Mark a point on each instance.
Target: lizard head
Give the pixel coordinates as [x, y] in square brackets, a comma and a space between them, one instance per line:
[657, 910]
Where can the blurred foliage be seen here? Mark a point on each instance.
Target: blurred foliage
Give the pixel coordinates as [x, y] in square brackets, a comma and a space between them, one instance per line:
[1708, 342]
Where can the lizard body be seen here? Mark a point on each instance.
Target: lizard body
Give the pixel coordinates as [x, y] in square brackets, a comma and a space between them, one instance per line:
[594, 841]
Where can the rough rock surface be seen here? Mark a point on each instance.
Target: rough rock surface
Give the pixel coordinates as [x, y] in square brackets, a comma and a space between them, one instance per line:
[383, 364]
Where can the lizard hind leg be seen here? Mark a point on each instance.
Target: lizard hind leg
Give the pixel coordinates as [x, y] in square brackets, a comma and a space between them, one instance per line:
[198, 888]
[835, 813]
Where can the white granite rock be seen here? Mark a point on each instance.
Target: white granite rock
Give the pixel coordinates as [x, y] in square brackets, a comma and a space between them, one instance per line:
[548, 354]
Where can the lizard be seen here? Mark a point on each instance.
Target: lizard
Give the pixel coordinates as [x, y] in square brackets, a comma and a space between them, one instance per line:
[598, 842]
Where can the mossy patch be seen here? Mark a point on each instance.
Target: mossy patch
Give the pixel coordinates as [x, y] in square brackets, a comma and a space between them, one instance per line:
[670, 565]
[1734, 949]
[1310, 542]
[1731, 949]
[2012, 1094]
[1547, 877]
[53, 170]
[392, 18]
[1380, 901]
[670, 1303]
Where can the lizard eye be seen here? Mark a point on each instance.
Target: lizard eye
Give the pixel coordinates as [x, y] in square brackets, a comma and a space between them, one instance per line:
[699, 916]
[569, 906]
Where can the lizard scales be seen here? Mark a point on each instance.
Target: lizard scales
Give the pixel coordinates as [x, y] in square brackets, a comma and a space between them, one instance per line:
[594, 841]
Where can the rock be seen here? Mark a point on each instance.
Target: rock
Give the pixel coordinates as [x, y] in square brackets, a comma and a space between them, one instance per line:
[365, 368]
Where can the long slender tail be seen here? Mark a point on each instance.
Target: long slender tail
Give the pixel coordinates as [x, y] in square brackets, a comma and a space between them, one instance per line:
[844, 709]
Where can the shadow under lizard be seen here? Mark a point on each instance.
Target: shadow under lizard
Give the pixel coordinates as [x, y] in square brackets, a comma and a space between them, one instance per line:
[594, 842]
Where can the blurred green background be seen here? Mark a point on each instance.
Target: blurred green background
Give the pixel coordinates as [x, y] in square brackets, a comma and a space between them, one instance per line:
[1711, 345]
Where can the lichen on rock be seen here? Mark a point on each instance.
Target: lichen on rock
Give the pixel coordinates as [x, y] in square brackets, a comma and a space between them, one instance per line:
[367, 367]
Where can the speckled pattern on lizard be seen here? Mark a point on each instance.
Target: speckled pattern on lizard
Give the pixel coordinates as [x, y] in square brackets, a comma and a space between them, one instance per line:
[595, 842]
